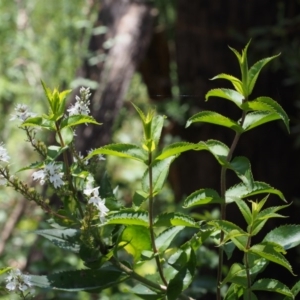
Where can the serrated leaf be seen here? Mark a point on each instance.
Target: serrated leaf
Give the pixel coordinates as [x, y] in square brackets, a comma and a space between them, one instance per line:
[242, 167]
[121, 150]
[218, 149]
[235, 81]
[160, 170]
[175, 219]
[272, 285]
[67, 239]
[80, 280]
[228, 94]
[255, 70]
[129, 217]
[39, 122]
[202, 197]
[258, 118]
[75, 120]
[139, 198]
[136, 240]
[214, 118]
[295, 290]
[267, 104]
[156, 128]
[240, 191]
[269, 252]
[166, 237]
[288, 236]
[175, 149]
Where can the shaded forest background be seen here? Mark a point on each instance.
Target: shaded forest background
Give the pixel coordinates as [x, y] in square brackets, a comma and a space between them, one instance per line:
[161, 53]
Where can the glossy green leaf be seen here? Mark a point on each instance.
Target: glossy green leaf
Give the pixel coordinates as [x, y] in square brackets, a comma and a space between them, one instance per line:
[237, 274]
[156, 128]
[68, 239]
[121, 150]
[175, 149]
[295, 290]
[288, 236]
[234, 292]
[267, 104]
[255, 70]
[245, 210]
[135, 240]
[258, 118]
[242, 167]
[175, 219]
[54, 151]
[241, 191]
[160, 170]
[272, 285]
[166, 237]
[77, 120]
[129, 217]
[202, 197]
[214, 118]
[139, 198]
[217, 149]
[80, 280]
[265, 215]
[235, 81]
[39, 122]
[228, 94]
[270, 252]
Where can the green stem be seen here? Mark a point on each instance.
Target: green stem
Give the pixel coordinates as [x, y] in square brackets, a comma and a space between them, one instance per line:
[151, 217]
[223, 206]
[66, 161]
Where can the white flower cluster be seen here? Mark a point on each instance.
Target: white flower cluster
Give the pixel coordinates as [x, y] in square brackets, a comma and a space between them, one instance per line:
[51, 172]
[4, 157]
[95, 199]
[81, 106]
[17, 281]
[22, 113]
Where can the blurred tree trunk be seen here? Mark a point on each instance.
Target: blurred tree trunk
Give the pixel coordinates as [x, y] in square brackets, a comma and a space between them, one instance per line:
[120, 38]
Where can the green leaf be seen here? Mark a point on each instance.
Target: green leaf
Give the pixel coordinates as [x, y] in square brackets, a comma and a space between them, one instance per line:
[77, 120]
[217, 149]
[242, 167]
[258, 118]
[175, 149]
[228, 94]
[67, 239]
[156, 128]
[272, 285]
[241, 191]
[53, 152]
[175, 219]
[39, 122]
[255, 70]
[129, 217]
[234, 292]
[146, 293]
[4, 270]
[80, 280]
[235, 81]
[245, 210]
[267, 104]
[139, 198]
[202, 197]
[214, 118]
[288, 236]
[121, 150]
[67, 136]
[269, 251]
[237, 275]
[166, 237]
[136, 239]
[160, 170]
[295, 290]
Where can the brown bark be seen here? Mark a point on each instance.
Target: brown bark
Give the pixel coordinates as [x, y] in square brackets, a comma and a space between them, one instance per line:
[129, 28]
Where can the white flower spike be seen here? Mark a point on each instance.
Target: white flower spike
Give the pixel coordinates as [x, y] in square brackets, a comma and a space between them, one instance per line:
[17, 281]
